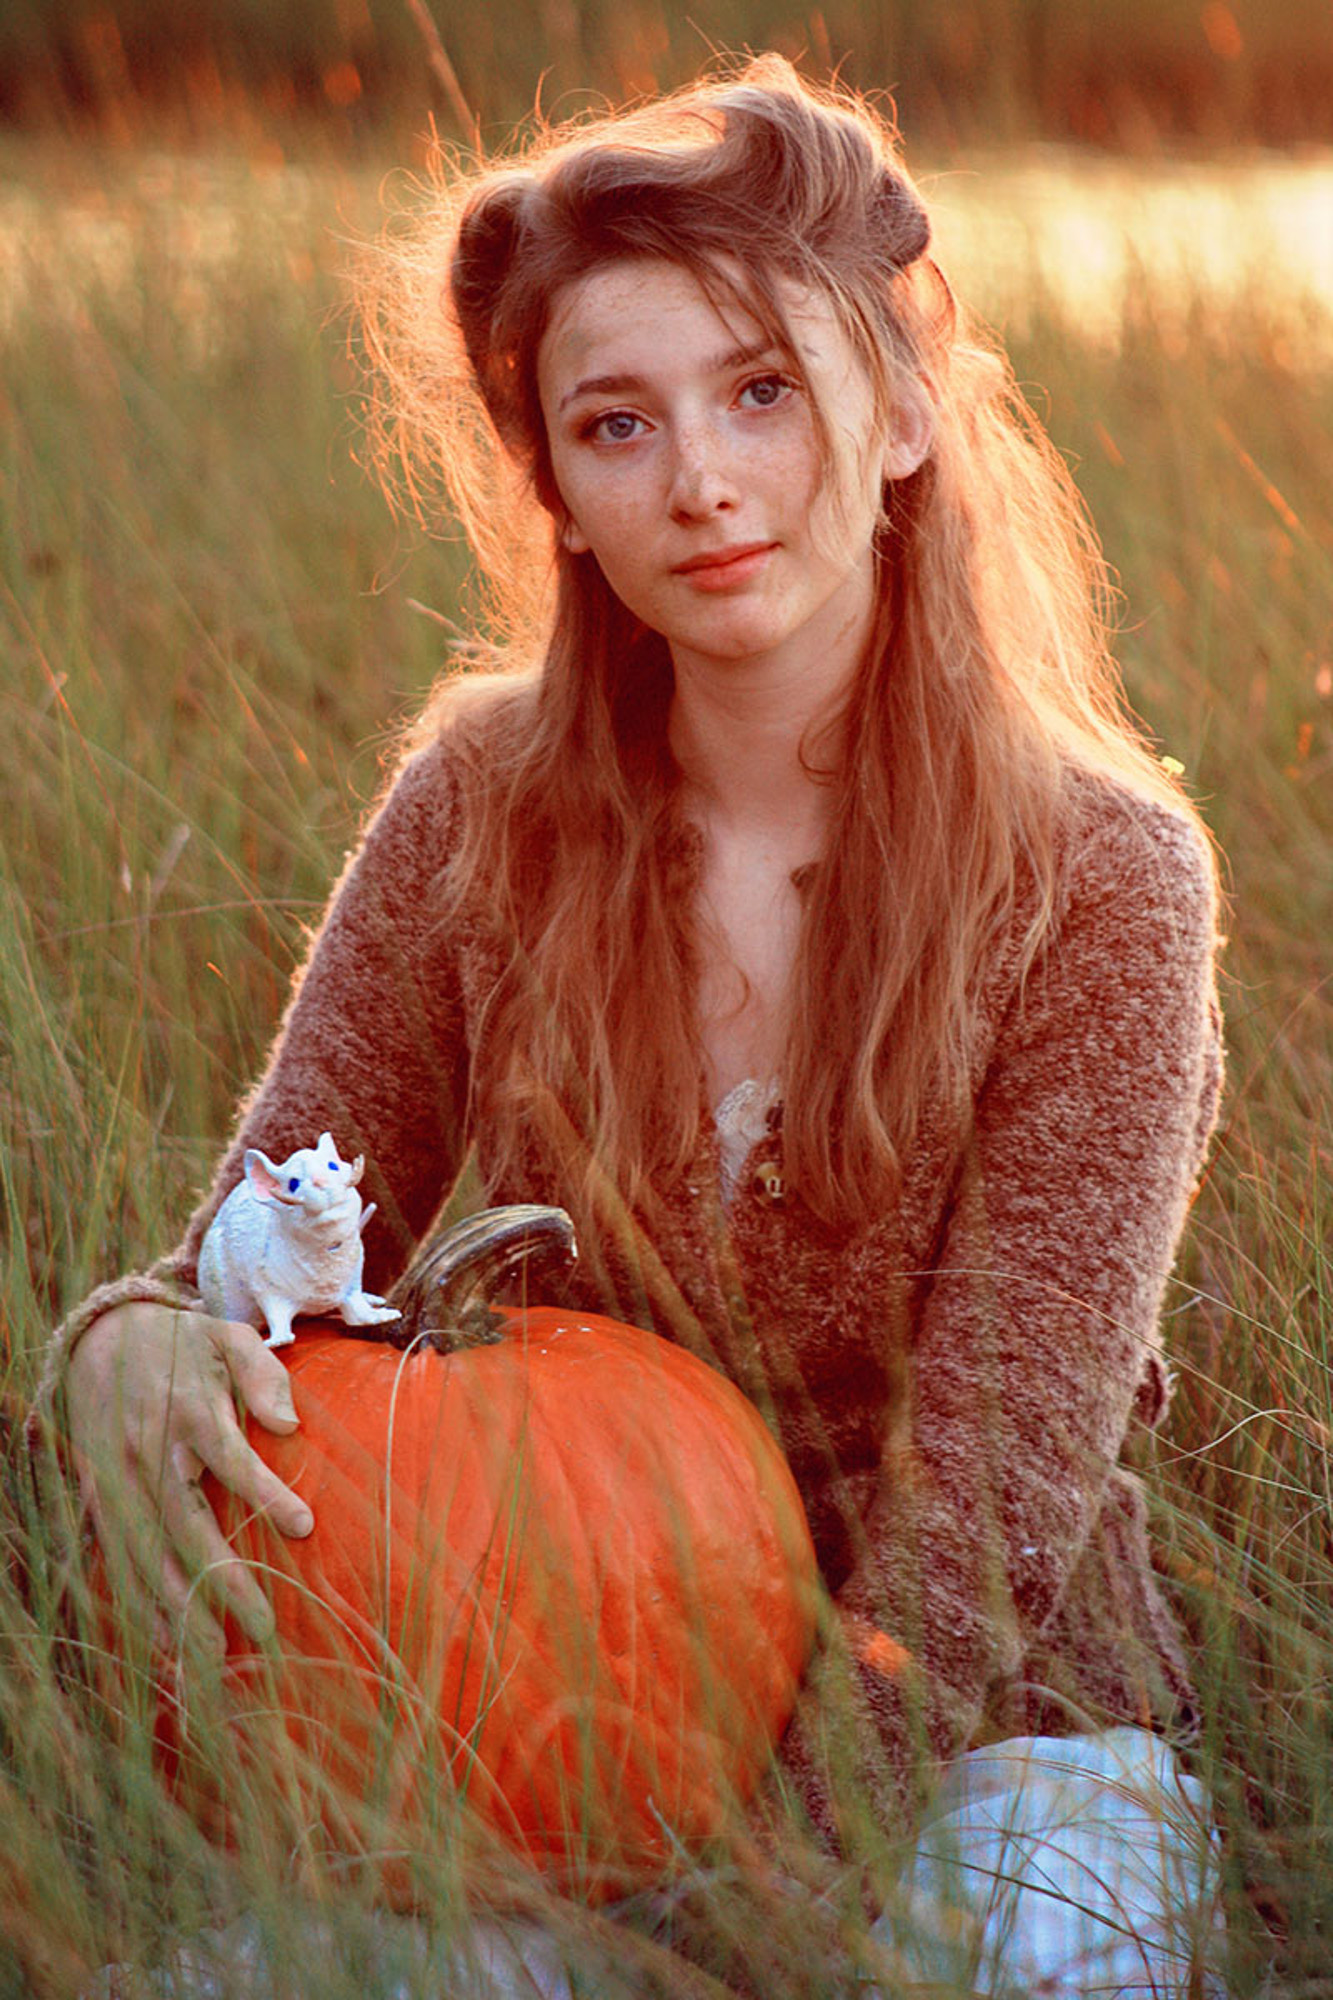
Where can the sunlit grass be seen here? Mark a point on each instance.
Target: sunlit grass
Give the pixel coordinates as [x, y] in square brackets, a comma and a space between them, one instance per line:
[207, 623]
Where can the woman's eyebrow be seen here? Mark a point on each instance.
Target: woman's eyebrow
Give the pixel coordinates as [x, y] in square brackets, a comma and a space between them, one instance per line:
[603, 385]
[632, 385]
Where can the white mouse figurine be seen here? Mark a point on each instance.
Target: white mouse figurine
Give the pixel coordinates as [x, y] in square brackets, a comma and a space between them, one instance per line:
[287, 1240]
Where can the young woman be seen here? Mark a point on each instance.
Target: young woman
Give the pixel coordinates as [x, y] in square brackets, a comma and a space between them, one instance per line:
[793, 903]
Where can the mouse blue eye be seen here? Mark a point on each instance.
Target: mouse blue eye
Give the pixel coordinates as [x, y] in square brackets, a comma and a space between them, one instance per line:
[333, 1166]
[294, 1183]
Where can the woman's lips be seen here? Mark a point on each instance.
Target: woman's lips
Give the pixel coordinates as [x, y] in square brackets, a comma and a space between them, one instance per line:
[722, 569]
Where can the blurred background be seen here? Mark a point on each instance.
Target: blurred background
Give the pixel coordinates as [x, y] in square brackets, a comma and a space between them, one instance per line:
[1136, 73]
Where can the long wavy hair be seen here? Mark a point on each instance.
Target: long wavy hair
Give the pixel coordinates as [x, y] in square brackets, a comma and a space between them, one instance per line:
[986, 677]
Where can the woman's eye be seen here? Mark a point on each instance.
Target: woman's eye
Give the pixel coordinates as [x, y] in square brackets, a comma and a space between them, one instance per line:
[765, 391]
[614, 427]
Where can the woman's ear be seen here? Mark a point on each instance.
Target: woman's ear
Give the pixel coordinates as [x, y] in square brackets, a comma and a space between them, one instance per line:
[911, 432]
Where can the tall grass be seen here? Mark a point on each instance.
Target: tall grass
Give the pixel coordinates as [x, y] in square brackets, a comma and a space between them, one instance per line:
[1200, 453]
[208, 626]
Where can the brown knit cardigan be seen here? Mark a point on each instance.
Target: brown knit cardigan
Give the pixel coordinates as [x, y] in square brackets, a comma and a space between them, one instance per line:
[952, 1386]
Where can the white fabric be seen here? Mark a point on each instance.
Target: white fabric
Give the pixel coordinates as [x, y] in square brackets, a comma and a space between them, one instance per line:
[741, 1120]
[1071, 1867]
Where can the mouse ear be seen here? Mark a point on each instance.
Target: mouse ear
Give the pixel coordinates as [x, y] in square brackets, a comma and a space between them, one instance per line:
[265, 1180]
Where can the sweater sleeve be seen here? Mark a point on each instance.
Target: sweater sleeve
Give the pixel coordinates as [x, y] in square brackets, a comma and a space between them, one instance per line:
[371, 1049]
[1039, 1317]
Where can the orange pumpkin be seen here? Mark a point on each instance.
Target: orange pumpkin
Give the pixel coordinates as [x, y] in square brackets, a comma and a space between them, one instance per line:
[566, 1576]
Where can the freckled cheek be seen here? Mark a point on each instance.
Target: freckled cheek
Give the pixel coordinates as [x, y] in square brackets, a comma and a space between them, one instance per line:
[786, 473]
[617, 532]
[603, 507]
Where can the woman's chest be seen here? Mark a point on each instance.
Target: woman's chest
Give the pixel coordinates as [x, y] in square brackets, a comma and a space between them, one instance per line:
[747, 927]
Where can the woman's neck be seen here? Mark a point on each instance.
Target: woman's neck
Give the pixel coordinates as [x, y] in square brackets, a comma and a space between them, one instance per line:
[756, 757]
[757, 752]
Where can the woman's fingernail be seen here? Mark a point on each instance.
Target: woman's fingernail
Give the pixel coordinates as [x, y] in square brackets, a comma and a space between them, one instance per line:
[302, 1520]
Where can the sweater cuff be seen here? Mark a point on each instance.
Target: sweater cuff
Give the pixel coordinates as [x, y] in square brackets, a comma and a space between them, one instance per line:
[167, 1283]
[860, 1752]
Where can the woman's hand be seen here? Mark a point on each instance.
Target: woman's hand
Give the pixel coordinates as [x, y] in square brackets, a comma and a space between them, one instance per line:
[152, 1397]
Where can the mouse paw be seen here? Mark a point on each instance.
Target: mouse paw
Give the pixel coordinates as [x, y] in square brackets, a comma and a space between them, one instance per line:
[367, 1309]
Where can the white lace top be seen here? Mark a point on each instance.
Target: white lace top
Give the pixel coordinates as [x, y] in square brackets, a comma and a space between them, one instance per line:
[742, 1120]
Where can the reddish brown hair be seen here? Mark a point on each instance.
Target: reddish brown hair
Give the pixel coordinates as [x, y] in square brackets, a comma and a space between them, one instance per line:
[987, 675]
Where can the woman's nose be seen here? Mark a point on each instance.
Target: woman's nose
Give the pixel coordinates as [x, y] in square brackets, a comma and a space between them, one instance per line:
[703, 477]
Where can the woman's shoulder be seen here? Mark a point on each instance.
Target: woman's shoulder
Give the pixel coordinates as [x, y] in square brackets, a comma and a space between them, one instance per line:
[471, 727]
[477, 709]
[1131, 847]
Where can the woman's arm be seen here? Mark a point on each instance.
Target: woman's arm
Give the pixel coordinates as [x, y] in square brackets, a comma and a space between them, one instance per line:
[1039, 1323]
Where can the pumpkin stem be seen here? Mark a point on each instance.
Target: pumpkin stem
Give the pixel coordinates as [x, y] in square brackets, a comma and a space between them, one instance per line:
[445, 1294]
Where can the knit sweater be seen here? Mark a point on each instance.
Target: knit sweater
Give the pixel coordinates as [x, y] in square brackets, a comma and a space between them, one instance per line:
[952, 1386]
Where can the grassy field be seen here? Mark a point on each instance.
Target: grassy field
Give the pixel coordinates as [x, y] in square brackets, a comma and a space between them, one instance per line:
[210, 625]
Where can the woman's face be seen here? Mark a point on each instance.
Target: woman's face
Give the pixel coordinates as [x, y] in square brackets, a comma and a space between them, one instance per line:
[685, 451]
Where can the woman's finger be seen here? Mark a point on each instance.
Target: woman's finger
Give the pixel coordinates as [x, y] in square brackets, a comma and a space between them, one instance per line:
[176, 1554]
[184, 1610]
[202, 1556]
[258, 1377]
[261, 1383]
[145, 1576]
[222, 1446]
